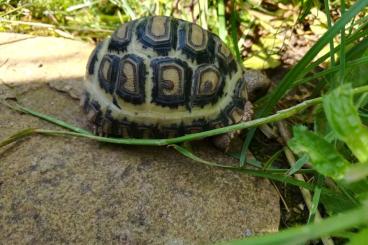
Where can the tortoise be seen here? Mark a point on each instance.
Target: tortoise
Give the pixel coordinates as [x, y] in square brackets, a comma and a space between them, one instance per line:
[161, 77]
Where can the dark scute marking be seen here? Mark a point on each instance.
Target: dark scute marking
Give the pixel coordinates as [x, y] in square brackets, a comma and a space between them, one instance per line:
[106, 125]
[93, 59]
[235, 103]
[162, 47]
[193, 129]
[93, 110]
[168, 84]
[206, 55]
[139, 131]
[115, 102]
[85, 101]
[208, 87]
[172, 131]
[240, 89]
[161, 85]
[219, 122]
[227, 64]
[200, 98]
[210, 48]
[95, 106]
[120, 44]
[129, 129]
[197, 126]
[107, 81]
[138, 96]
[109, 126]
[114, 127]
[230, 68]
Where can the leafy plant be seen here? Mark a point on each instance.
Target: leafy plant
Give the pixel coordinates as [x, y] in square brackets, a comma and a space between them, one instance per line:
[334, 142]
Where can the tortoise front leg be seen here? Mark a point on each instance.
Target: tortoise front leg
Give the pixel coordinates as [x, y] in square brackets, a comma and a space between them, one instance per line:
[223, 141]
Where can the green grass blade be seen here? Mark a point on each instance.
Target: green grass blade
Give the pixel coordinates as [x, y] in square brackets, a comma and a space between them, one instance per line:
[338, 201]
[18, 135]
[350, 64]
[254, 163]
[269, 174]
[342, 50]
[126, 7]
[294, 73]
[305, 9]
[300, 235]
[274, 174]
[21, 7]
[329, 24]
[315, 200]
[203, 8]
[347, 193]
[222, 20]
[190, 155]
[287, 82]
[353, 38]
[272, 159]
[234, 32]
[299, 164]
[358, 51]
[280, 115]
[47, 118]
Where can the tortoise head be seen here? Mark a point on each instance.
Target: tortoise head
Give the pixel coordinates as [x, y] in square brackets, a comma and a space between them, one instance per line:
[257, 84]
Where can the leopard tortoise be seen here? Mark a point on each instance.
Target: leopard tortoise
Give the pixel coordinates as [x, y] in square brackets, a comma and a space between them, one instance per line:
[161, 77]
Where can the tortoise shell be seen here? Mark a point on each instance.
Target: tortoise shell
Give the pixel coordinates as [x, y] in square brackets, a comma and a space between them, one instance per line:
[160, 77]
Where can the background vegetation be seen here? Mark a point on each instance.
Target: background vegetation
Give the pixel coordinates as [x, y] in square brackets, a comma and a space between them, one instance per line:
[315, 52]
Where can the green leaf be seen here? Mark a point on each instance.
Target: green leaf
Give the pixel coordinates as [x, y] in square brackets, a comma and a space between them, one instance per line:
[298, 164]
[344, 120]
[336, 202]
[360, 238]
[325, 159]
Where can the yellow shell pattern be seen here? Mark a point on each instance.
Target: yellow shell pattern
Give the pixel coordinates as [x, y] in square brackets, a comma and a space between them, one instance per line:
[162, 77]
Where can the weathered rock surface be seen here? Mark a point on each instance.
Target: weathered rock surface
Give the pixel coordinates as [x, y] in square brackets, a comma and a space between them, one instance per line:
[73, 190]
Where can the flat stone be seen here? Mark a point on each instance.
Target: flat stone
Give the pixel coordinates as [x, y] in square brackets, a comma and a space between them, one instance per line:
[73, 190]
[26, 58]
